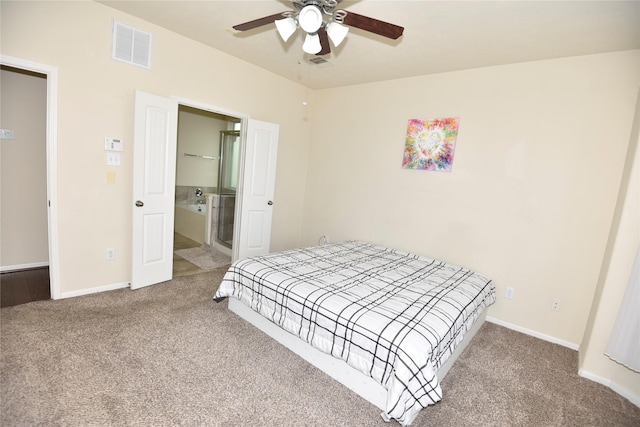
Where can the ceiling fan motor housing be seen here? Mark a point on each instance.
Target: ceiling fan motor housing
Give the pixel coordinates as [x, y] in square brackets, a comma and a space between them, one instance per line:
[310, 19]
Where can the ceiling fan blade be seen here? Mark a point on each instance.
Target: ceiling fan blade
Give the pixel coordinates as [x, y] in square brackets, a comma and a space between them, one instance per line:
[324, 42]
[373, 25]
[258, 22]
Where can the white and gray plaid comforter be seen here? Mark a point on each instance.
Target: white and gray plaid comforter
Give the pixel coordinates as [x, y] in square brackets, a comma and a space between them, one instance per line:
[392, 315]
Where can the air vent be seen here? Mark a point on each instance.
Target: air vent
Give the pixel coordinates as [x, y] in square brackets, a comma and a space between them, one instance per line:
[131, 45]
[319, 61]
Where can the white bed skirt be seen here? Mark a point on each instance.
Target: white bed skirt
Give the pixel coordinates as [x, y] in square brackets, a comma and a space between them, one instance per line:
[338, 369]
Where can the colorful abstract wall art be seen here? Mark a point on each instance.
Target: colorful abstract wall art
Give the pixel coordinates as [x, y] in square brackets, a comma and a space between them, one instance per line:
[430, 144]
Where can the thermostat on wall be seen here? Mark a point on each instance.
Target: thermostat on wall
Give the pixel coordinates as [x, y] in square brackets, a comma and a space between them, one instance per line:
[113, 144]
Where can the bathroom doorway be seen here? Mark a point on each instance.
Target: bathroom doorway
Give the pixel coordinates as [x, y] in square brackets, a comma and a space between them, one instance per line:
[207, 164]
[255, 191]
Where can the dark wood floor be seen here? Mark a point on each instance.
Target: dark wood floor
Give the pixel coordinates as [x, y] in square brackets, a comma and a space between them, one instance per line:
[22, 286]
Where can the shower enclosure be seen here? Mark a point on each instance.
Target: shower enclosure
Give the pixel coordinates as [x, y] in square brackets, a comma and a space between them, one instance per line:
[227, 185]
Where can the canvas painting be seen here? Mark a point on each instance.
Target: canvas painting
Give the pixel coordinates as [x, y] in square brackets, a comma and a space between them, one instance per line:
[430, 144]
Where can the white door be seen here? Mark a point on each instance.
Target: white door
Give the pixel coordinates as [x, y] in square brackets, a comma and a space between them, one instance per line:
[154, 176]
[258, 182]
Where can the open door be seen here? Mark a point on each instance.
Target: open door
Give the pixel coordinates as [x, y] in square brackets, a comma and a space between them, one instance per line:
[258, 182]
[154, 176]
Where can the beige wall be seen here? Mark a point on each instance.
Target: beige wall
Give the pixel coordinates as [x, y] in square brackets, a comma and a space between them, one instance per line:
[23, 215]
[624, 241]
[96, 99]
[538, 161]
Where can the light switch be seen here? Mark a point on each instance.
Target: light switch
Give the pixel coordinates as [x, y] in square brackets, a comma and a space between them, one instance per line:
[111, 177]
[113, 159]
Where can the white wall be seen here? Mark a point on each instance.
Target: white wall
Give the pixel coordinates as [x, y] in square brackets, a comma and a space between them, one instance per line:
[96, 99]
[23, 215]
[538, 161]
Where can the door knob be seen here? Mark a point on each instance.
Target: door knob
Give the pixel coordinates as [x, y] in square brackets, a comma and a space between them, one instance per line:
[270, 203]
[139, 204]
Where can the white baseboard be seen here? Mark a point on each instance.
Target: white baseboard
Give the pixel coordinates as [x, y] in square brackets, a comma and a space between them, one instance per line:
[572, 346]
[95, 290]
[627, 394]
[6, 268]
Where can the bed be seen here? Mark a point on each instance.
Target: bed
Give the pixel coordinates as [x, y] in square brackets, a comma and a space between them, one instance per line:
[387, 324]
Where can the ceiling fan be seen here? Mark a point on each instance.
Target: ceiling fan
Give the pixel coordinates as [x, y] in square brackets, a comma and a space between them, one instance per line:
[321, 21]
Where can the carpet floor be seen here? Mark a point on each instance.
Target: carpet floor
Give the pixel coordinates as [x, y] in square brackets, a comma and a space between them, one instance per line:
[168, 355]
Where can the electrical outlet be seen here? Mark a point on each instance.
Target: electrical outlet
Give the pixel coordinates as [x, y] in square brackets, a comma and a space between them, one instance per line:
[111, 254]
[509, 293]
[555, 305]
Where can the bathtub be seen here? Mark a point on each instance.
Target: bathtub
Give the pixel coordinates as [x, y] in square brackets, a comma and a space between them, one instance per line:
[201, 209]
[190, 221]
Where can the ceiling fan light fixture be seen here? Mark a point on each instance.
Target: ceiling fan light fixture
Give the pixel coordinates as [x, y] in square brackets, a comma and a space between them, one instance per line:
[310, 19]
[337, 32]
[323, 24]
[312, 44]
[286, 27]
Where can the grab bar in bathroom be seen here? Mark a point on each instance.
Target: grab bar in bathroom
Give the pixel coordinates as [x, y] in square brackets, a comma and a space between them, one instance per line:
[202, 157]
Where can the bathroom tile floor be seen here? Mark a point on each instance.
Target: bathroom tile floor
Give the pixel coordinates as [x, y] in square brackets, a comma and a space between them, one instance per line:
[182, 267]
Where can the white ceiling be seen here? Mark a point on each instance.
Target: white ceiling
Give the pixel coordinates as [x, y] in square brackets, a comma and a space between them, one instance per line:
[439, 36]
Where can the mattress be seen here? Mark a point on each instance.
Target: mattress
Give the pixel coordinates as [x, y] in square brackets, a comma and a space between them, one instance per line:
[392, 315]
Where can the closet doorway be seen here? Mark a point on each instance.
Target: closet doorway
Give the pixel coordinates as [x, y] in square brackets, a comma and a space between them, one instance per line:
[28, 261]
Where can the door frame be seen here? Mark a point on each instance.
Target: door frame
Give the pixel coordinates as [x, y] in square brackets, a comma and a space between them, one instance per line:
[244, 119]
[52, 161]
